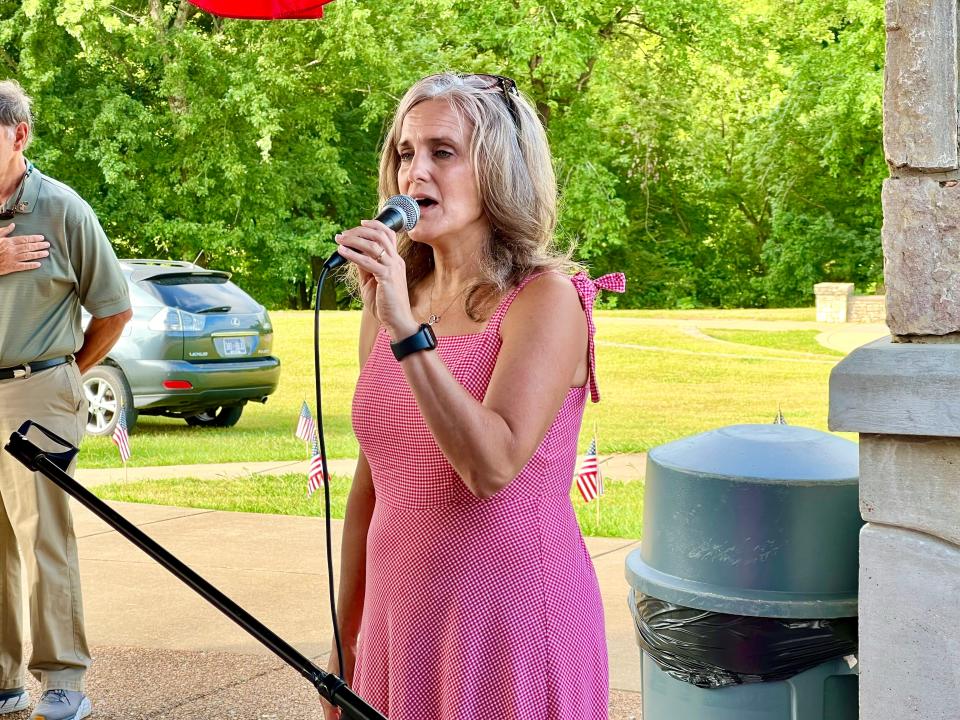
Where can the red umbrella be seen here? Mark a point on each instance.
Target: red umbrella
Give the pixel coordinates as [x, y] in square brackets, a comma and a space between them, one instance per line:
[264, 9]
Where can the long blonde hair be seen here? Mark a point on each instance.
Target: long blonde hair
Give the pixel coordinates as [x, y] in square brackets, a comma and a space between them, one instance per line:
[514, 172]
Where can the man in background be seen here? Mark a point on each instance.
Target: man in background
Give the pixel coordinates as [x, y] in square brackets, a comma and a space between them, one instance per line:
[58, 260]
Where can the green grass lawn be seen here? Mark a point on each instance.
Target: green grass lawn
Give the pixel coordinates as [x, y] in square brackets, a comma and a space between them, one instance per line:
[659, 377]
[803, 314]
[620, 510]
[658, 384]
[273, 494]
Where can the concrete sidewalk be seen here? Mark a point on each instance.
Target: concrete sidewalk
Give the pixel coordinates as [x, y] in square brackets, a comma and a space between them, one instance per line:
[161, 652]
[617, 467]
[847, 337]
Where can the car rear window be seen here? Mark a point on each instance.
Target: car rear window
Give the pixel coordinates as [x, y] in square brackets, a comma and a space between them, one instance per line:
[200, 293]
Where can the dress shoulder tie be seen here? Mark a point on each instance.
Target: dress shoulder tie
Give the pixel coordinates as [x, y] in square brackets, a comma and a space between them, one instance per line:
[588, 289]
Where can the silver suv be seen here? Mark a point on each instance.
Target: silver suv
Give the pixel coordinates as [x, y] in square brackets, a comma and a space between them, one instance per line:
[198, 348]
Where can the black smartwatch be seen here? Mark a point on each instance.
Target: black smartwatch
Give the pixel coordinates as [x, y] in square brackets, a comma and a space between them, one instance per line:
[422, 339]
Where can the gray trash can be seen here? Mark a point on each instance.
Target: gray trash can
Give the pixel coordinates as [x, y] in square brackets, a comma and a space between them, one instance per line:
[756, 521]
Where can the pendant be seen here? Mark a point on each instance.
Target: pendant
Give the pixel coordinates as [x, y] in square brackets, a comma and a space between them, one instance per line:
[433, 319]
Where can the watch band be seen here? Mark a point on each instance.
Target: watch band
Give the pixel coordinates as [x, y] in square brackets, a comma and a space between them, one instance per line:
[422, 339]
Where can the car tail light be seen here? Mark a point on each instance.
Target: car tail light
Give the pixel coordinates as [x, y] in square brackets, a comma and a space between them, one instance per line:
[264, 319]
[177, 385]
[173, 320]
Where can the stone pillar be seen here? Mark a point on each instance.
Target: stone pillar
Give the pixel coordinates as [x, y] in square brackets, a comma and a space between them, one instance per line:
[902, 394]
[832, 301]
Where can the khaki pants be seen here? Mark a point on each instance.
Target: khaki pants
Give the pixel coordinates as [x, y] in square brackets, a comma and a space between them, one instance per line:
[35, 517]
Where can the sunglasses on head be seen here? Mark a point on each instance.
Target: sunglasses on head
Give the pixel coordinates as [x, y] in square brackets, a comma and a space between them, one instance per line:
[507, 87]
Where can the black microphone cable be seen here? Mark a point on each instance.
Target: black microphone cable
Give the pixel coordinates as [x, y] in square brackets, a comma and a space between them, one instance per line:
[400, 212]
[326, 473]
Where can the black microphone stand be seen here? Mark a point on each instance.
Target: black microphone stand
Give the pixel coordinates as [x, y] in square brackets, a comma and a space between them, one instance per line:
[54, 464]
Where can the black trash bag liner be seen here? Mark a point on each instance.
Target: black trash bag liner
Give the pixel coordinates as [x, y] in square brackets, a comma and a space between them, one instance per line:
[713, 650]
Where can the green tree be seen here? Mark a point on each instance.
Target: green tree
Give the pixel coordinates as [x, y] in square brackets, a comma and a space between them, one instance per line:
[719, 153]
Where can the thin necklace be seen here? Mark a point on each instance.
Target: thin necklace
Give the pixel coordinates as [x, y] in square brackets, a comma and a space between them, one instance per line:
[435, 317]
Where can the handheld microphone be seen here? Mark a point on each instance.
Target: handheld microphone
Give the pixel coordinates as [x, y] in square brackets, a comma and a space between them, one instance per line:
[400, 212]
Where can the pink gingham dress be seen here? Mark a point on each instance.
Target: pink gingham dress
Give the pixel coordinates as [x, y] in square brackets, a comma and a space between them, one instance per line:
[475, 609]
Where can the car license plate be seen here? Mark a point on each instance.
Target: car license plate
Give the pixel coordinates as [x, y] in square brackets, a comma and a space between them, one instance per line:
[234, 346]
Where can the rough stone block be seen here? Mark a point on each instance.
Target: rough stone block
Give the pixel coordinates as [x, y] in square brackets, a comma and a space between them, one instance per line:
[921, 253]
[909, 620]
[911, 482]
[920, 84]
[897, 389]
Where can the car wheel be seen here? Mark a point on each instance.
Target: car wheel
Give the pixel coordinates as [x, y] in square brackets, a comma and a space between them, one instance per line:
[107, 391]
[216, 417]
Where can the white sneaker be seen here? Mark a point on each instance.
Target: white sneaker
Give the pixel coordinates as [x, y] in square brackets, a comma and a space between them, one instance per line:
[62, 705]
[14, 700]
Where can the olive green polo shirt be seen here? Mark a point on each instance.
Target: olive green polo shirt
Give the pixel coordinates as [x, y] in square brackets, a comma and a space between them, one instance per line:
[40, 309]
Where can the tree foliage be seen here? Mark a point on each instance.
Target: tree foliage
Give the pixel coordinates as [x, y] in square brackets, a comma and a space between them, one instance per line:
[720, 153]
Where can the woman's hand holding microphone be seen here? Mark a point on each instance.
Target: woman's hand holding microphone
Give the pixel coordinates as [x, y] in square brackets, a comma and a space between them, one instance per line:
[372, 247]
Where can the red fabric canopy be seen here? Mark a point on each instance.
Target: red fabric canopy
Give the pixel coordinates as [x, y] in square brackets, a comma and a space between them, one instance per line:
[264, 9]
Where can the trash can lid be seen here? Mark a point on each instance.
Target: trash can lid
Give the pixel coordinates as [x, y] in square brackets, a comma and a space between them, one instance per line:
[768, 453]
[756, 520]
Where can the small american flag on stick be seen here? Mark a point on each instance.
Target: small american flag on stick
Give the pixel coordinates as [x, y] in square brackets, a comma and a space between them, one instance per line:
[590, 479]
[315, 473]
[306, 425]
[121, 438]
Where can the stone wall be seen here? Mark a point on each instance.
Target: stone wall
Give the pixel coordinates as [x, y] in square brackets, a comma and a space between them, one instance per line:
[901, 393]
[836, 303]
[867, 309]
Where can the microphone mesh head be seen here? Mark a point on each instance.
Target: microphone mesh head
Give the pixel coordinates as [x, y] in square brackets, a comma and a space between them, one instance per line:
[408, 208]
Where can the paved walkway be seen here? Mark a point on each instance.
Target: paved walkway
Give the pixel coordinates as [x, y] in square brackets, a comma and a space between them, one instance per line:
[274, 567]
[840, 336]
[616, 467]
[847, 337]
[161, 652]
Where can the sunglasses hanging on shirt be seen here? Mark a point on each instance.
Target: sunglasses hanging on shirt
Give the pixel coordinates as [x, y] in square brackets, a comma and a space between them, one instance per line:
[9, 213]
